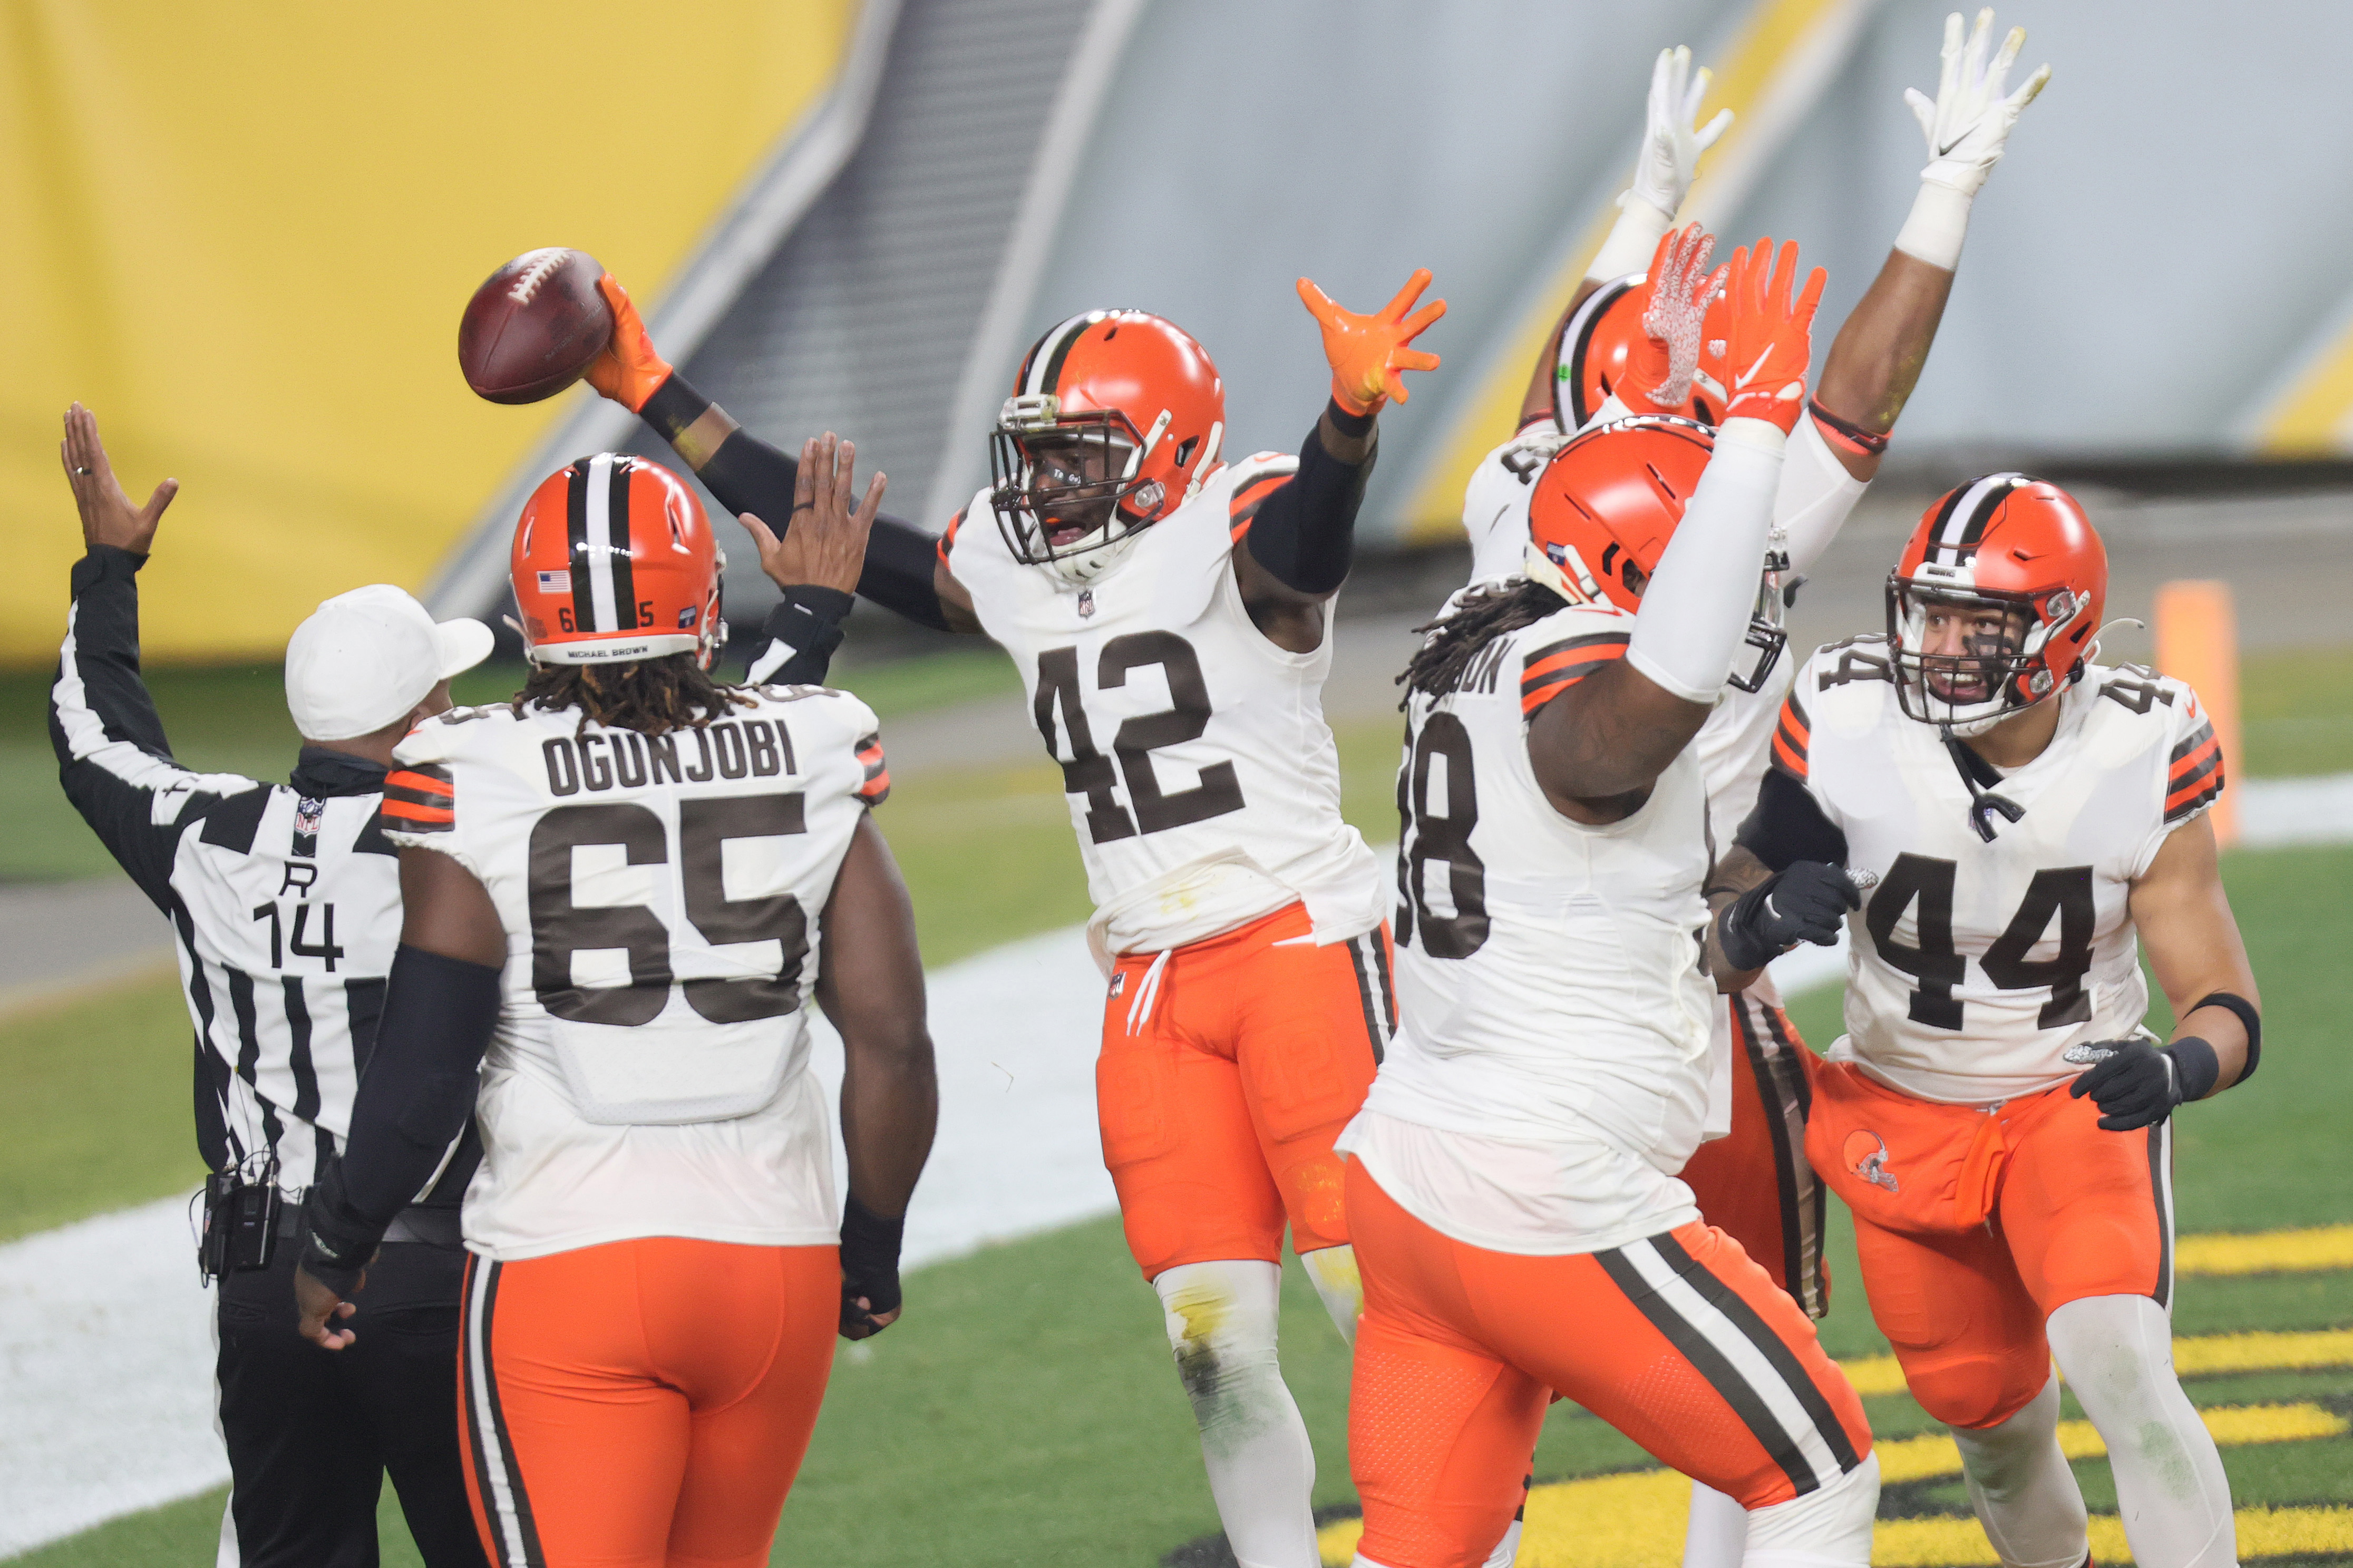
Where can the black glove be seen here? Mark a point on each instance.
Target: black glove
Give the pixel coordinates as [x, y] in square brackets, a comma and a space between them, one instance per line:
[869, 1269]
[2137, 1084]
[1805, 902]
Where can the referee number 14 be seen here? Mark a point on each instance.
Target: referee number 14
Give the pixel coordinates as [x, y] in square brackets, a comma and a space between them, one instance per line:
[300, 946]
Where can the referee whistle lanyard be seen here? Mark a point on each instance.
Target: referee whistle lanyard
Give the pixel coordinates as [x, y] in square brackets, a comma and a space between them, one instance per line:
[1980, 1179]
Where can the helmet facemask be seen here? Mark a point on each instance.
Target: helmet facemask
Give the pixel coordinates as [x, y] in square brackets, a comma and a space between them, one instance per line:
[1994, 669]
[1766, 635]
[1066, 488]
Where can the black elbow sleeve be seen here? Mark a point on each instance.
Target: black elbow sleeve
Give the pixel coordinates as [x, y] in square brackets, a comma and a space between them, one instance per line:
[1305, 533]
[901, 565]
[1787, 826]
[420, 1085]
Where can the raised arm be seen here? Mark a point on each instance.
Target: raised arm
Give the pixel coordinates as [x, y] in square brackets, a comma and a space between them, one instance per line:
[1671, 143]
[1303, 537]
[440, 1004]
[112, 757]
[901, 572]
[1876, 359]
[1599, 747]
[871, 986]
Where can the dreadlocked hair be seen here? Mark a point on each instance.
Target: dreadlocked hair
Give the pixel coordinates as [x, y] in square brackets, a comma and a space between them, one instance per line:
[651, 696]
[1478, 617]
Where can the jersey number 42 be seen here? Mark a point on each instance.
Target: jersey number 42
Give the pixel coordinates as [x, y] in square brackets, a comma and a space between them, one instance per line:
[1090, 773]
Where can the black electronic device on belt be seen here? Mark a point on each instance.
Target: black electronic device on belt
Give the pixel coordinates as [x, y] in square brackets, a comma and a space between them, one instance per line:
[241, 1212]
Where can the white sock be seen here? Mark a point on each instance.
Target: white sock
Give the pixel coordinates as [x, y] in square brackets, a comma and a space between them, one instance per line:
[1333, 1271]
[2117, 1354]
[1718, 1531]
[1827, 1528]
[1221, 1325]
[2021, 1490]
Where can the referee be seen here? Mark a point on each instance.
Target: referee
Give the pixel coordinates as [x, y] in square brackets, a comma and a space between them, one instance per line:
[285, 899]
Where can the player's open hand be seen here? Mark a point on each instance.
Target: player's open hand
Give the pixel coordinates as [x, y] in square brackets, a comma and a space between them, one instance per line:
[1679, 287]
[1367, 353]
[1769, 340]
[318, 1307]
[108, 518]
[824, 543]
[1968, 124]
[629, 370]
[1672, 138]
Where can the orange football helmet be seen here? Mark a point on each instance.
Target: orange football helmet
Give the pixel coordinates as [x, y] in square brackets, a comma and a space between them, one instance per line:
[2007, 543]
[613, 560]
[1599, 339]
[1607, 504]
[1114, 421]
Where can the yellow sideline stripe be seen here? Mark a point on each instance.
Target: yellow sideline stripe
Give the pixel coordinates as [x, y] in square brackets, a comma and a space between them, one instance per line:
[1636, 1520]
[2268, 1252]
[2193, 1355]
[1773, 31]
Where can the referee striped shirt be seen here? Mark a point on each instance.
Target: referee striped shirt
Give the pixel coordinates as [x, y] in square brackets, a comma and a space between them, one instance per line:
[285, 898]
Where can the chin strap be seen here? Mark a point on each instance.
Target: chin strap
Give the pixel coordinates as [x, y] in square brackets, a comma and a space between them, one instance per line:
[1980, 775]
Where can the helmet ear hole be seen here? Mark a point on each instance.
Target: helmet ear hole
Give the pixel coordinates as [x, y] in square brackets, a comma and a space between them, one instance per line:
[1185, 449]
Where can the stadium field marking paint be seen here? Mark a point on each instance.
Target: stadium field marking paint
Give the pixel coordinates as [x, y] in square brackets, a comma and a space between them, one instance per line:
[2268, 1252]
[2195, 1355]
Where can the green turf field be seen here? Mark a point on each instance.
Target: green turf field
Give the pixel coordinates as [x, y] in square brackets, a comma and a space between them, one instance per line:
[1025, 1412]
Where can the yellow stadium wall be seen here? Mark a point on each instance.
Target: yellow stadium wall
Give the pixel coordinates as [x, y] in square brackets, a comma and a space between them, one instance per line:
[243, 236]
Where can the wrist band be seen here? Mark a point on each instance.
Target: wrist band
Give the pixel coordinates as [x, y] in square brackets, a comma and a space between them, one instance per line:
[673, 406]
[2195, 1063]
[2248, 1017]
[1845, 433]
[870, 1255]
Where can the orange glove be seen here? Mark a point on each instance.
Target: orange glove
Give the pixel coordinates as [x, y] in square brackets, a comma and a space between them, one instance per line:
[1676, 291]
[628, 371]
[1367, 352]
[1770, 342]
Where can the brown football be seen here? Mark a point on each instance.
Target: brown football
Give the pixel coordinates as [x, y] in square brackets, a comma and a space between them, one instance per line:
[531, 330]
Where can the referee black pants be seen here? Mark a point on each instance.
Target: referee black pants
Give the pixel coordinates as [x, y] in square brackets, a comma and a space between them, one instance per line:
[312, 1433]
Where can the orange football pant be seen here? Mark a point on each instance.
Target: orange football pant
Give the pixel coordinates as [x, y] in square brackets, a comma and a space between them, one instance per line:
[1228, 1068]
[1755, 1184]
[644, 1403]
[1974, 1224]
[1678, 1341]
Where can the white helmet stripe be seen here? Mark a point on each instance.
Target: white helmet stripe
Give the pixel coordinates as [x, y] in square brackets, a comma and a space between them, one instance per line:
[1046, 360]
[599, 553]
[1956, 542]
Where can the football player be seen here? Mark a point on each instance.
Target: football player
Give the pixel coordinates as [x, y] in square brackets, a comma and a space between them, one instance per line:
[1997, 1114]
[1640, 343]
[621, 891]
[1512, 1191]
[1166, 610]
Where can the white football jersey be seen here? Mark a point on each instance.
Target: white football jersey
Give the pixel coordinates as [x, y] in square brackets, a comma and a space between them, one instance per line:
[1203, 782]
[661, 898]
[1550, 984]
[1972, 966]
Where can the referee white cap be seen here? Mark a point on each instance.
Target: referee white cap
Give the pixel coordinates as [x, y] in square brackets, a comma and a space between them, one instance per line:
[364, 659]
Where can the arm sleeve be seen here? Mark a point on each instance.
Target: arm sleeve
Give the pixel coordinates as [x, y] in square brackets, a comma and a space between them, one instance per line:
[1789, 826]
[1815, 495]
[801, 635]
[1304, 533]
[747, 474]
[112, 759]
[418, 1087]
[1695, 608]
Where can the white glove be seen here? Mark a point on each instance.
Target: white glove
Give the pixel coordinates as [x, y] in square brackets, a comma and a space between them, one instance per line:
[1967, 127]
[1662, 173]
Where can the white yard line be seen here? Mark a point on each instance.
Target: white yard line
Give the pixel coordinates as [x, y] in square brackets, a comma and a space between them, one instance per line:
[106, 1353]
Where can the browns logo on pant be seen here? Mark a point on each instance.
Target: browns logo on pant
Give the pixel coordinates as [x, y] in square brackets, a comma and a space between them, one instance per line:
[642, 1404]
[1975, 1224]
[1678, 1340]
